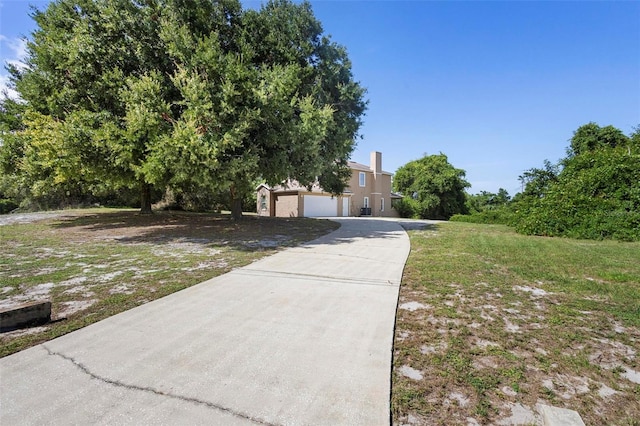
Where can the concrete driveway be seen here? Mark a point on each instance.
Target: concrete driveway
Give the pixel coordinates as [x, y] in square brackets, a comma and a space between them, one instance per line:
[301, 337]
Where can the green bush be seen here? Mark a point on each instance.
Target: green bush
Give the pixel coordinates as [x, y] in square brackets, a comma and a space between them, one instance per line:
[406, 207]
[499, 216]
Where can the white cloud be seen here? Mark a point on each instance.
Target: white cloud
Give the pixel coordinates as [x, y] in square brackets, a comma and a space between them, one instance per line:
[12, 52]
[5, 91]
[17, 46]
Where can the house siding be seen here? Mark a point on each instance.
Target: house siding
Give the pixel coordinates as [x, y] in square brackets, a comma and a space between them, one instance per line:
[359, 193]
[385, 189]
[287, 205]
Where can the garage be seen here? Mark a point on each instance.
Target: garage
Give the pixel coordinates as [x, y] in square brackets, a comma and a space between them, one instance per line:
[318, 206]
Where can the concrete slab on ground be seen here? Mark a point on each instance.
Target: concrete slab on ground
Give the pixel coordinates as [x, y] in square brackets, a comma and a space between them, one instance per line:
[556, 416]
[301, 337]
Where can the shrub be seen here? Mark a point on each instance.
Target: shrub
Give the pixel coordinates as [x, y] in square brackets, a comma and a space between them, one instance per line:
[7, 206]
[499, 216]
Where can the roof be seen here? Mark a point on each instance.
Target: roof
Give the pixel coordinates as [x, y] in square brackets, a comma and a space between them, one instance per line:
[292, 186]
[361, 167]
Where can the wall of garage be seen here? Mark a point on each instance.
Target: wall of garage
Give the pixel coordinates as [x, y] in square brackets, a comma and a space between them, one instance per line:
[287, 205]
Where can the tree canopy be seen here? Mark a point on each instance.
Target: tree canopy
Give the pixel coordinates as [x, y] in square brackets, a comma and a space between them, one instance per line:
[488, 200]
[432, 188]
[536, 182]
[198, 96]
[591, 137]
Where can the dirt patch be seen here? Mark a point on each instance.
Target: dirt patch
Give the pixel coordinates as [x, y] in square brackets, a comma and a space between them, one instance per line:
[17, 218]
[69, 308]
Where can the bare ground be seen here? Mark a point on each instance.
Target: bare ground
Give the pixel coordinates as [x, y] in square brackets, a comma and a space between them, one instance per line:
[601, 394]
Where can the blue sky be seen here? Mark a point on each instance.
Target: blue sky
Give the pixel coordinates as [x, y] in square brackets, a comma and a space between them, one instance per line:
[496, 86]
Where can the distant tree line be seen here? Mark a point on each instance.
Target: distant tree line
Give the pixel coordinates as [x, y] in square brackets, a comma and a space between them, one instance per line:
[125, 101]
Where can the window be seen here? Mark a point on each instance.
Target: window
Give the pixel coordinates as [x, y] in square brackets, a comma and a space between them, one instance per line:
[366, 202]
[263, 202]
[363, 179]
[381, 204]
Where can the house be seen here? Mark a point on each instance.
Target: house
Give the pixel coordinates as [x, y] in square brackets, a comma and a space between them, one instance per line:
[368, 193]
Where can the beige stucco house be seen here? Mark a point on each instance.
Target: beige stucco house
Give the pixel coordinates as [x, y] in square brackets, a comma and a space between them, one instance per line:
[368, 193]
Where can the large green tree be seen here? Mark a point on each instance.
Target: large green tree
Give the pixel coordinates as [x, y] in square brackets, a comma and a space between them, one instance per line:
[78, 63]
[595, 195]
[432, 188]
[189, 95]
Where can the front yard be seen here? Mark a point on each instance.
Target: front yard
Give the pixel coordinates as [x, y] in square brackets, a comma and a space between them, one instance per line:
[490, 323]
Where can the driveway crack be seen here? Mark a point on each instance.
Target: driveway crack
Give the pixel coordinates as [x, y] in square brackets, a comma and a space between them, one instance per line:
[151, 390]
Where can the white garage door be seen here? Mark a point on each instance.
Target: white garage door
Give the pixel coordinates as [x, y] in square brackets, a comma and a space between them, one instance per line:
[316, 205]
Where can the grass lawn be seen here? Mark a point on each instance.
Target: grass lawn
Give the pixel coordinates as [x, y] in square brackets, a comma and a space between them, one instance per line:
[491, 322]
[96, 263]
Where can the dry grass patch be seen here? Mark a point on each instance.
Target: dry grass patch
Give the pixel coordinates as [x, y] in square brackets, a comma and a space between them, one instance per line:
[491, 323]
[95, 263]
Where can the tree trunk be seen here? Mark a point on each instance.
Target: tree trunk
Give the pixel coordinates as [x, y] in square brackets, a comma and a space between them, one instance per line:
[145, 198]
[236, 204]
